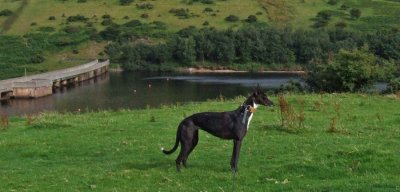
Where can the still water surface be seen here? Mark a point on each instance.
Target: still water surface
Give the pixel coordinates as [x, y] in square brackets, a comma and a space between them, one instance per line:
[116, 90]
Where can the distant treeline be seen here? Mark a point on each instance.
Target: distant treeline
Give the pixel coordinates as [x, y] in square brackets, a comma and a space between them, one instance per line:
[265, 46]
[149, 46]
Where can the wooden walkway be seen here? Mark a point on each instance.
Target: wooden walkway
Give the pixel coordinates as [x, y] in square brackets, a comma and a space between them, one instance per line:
[56, 78]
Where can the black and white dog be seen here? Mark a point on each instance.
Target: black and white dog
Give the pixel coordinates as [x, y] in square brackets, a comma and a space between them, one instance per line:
[226, 125]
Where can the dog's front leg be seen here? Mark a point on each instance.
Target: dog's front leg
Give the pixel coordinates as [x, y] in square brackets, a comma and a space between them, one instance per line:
[235, 155]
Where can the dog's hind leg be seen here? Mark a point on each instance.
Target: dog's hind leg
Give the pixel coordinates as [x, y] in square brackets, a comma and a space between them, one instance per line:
[195, 140]
[183, 154]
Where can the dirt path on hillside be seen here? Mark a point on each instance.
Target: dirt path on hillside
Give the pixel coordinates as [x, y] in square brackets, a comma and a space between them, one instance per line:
[10, 20]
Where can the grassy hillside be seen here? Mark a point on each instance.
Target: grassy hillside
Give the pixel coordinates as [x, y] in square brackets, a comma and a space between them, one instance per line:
[39, 11]
[375, 14]
[55, 16]
[347, 143]
[296, 13]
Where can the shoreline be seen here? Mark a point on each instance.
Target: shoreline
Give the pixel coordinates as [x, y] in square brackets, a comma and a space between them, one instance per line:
[204, 70]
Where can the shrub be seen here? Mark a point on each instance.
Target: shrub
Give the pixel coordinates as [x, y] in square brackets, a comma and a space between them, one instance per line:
[344, 7]
[133, 23]
[145, 6]
[333, 2]
[33, 24]
[82, 1]
[72, 29]
[251, 19]
[355, 13]
[47, 29]
[206, 23]
[207, 1]
[106, 22]
[232, 18]
[207, 10]
[349, 71]
[37, 58]
[6, 12]
[393, 85]
[125, 2]
[181, 13]
[322, 18]
[292, 86]
[341, 24]
[325, 14]
[51, 18]
[106, 16]
[77, 18]
[144, 15]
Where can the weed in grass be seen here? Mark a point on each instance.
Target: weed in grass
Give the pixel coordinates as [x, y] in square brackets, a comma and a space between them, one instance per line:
[152, 119]
[319, 104]
[379, 117]
[29, 119]
[5, 121]
[336, 106]
[291, 121]
[221, 98]
[333, 125]
[301, 116]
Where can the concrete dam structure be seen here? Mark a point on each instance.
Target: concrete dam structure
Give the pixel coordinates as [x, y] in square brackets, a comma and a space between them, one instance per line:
[40, 85]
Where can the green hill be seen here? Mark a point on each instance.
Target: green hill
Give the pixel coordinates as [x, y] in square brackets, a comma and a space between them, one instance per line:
[296, 13]
[69, 28]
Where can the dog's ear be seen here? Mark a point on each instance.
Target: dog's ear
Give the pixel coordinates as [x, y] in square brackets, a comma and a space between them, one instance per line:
[258, 90]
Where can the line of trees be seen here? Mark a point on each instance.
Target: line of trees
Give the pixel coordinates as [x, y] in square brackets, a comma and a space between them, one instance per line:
[263, 45]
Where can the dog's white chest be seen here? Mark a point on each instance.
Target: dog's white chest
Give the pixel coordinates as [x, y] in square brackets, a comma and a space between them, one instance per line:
[248, 122]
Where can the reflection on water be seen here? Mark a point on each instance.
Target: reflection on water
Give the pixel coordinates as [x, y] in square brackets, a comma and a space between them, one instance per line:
[138, 90]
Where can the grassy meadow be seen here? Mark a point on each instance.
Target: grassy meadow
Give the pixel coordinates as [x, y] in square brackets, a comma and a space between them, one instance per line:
[343, 142]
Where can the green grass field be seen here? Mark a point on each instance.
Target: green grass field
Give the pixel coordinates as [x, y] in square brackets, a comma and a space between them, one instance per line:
[119, 151]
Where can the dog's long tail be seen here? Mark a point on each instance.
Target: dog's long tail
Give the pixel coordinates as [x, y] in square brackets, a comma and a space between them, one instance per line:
[175, 146]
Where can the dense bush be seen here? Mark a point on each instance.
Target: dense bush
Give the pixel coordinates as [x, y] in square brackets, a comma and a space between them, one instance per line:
[52, 18]
[38, 58]
[181, 13]
[106, 16]
[333, 2]
[6, 12]
[355, 13]
[251, 19]
[394, 85]
[385, 43]
[322, 18]
[125, 2]
[352, 71]
[232, 18]
[145, 6]
[207, 10]
[77, 18]
[106, 22]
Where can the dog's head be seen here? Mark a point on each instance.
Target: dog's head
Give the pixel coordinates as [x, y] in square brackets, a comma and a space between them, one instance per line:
[260, 98]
